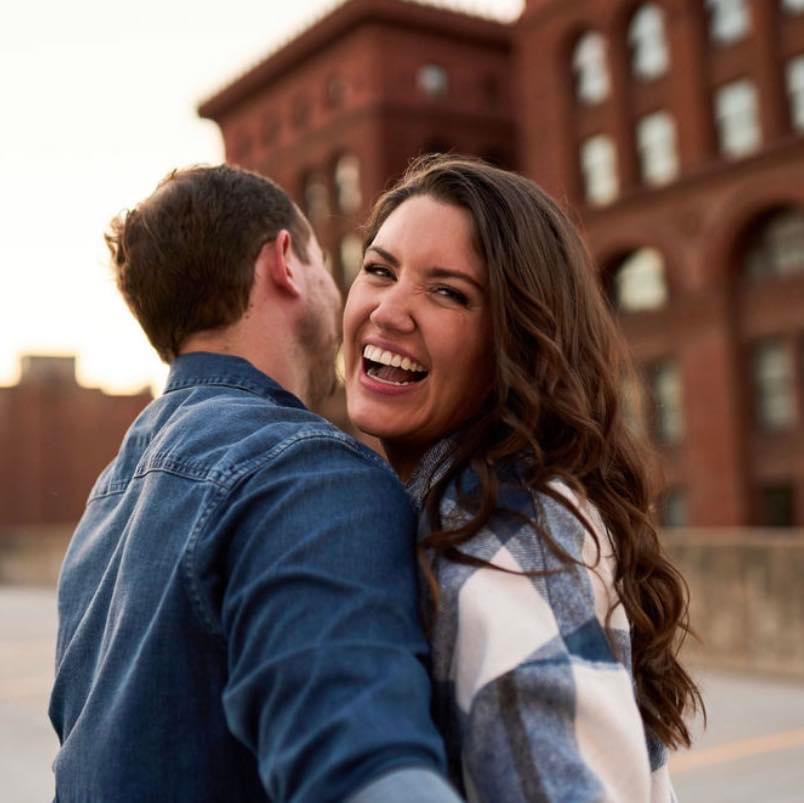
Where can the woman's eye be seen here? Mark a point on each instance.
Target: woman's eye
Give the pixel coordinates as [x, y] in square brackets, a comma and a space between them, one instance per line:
[453, 295]
[373, 269]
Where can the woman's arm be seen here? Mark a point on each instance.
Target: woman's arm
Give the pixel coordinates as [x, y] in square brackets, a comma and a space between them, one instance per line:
[548, 711]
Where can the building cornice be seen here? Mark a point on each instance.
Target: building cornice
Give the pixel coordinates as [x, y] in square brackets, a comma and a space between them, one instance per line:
[343, 20]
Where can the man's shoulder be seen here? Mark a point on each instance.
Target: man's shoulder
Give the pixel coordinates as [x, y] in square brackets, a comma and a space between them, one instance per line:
[222, 436]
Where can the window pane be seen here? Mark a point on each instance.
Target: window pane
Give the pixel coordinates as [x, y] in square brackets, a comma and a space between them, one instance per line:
[598, 166]
[649, 53]
[673, 508]
[774, 391]
[316, 198]
[639, 282]
[729, 20]
[795, 91]
[737, 120]
[668, 410]
[351, 253]
[656, 138]
[347, 182]
[776, 248]
[591, 71]
[432, 79]
[776, 505]
[793, 6]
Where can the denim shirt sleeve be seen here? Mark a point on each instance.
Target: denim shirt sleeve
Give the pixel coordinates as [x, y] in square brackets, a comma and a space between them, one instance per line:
[327, 679]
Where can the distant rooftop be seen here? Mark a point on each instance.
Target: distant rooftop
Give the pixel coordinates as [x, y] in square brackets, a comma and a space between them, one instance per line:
[472, 18]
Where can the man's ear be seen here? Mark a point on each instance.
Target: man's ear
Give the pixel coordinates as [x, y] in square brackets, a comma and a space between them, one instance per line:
[274, 264]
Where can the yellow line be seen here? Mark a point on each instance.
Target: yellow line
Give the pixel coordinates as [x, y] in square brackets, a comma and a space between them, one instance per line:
[736, 750]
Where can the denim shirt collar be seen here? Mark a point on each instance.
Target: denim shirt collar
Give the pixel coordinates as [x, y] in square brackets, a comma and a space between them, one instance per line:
[205, 368]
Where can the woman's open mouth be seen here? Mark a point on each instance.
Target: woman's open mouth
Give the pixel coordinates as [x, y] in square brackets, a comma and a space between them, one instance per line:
[390, 368]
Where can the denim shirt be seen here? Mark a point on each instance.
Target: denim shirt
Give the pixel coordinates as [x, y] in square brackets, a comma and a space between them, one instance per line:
[237, 611]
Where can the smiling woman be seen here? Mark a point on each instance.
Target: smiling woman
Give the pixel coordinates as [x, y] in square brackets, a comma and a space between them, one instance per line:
[480, 351]
[419, 306]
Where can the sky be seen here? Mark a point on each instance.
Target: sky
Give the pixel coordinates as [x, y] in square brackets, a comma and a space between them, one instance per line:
[99, 102]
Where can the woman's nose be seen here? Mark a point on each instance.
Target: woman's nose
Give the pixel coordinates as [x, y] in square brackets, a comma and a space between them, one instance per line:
[393, 312]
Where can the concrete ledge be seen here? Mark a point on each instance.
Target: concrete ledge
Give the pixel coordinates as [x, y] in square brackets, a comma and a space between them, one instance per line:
[746, 598]
[32, 555]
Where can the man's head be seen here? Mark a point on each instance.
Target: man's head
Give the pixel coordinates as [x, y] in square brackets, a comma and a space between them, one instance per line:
[185, 261]
[184, 257]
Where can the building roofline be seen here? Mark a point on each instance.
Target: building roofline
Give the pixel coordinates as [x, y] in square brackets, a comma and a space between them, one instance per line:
[343, 19]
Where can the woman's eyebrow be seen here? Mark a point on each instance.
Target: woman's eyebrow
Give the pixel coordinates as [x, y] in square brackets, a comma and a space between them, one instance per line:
[386, 255]
[435, 272]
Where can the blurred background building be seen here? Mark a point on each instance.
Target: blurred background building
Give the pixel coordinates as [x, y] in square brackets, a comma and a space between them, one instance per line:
[672, 130]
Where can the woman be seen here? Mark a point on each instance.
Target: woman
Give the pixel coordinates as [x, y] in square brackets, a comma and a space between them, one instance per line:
[479, 350]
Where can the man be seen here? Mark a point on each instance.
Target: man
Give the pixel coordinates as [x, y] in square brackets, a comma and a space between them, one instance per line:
[237, 607]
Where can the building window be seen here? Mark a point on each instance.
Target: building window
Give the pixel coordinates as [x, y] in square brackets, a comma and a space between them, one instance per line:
[793, 6]
[729, 20]
[737, 118]
[351, 254]
[432, 80]
[599, 170]
[774, 387]
[590, 69]
[316, 197]
[656, 138]
[668, 411]
[795, 91]
[673, 508]
[347, 183]
[639, 283]
[776, 505]
[335, 91]
[776, 247]
[650, 57]
[300, 114]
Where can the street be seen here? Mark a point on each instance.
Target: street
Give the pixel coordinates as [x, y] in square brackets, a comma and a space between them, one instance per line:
[752, 751]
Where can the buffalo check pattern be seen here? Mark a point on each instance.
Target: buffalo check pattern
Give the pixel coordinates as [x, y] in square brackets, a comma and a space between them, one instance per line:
[533, 696]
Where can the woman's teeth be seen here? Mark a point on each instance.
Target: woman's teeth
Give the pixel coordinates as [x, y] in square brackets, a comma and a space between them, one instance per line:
[390, 368]
[384, 357]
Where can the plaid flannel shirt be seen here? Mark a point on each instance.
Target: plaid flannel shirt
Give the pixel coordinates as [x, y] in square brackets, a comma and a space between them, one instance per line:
[532, 692]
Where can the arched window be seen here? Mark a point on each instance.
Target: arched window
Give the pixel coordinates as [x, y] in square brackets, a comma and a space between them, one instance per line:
[650, 57]
[795, 91]
[316, 197]
[590, 69]
[638, 283]
[351, 256]
[347, 183]
[599, 170]
[729, 20]
[793, 6]
[656, 139]
[775, 247]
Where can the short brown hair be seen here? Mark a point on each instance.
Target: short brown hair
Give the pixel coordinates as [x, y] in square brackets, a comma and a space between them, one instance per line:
[184, 257]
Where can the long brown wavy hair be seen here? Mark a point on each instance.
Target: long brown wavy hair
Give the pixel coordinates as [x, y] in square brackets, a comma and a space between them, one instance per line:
[560, 365]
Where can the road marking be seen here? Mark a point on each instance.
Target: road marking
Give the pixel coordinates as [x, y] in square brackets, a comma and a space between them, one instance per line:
[736, 750]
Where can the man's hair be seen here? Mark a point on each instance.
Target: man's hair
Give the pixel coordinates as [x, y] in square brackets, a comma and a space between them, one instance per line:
[184, 257]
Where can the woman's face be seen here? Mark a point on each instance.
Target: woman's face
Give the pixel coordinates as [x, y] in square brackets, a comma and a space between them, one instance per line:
[417, 328]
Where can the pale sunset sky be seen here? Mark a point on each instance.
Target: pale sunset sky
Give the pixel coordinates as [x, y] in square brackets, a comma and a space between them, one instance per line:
[98, 103]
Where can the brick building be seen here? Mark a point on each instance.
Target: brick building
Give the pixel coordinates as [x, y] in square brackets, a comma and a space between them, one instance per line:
[55, 437]
[673, 131]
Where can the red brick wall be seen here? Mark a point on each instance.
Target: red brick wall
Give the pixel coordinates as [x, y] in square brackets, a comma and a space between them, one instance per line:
[55, 438]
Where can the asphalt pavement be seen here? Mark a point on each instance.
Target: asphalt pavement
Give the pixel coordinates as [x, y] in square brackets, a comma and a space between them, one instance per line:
[751, 752]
